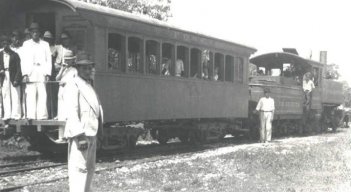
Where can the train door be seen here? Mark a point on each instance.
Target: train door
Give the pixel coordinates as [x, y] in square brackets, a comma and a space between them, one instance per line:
[46, 21]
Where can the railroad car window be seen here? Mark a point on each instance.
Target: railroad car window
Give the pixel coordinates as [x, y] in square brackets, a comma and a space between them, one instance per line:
[218, 67]
[241, 69]
[275, 72]
[182, 56]
[205, 61]
[261, 71]
[195, 63]
[134, 62]
[168, 58]
[152, 57]
[229, 68]
[287, 70]
[116, 44]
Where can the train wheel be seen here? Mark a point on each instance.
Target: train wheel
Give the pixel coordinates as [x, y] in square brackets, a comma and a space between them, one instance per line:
[195, 136]
[184, 137]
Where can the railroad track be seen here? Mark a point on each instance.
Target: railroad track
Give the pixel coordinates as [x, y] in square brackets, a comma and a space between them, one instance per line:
[19, 167]
[144, 154]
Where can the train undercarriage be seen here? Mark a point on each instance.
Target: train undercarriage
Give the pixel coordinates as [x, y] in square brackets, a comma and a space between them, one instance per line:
[43, 134]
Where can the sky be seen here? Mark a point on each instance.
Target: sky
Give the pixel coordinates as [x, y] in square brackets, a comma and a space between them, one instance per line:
[310, 26]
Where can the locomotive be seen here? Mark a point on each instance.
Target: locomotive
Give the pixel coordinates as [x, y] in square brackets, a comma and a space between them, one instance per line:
[291, 115]
[213, 96]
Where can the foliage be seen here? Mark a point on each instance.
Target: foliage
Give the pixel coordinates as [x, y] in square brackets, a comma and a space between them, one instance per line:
[158, 9]
[331, 71]
[347, 94]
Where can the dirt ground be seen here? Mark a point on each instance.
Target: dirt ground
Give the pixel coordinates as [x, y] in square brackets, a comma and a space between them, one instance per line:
[299, 164]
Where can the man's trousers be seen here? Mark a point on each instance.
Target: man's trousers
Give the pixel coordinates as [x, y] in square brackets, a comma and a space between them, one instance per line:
[36, 96]
[266, 126]
[11, 99]
[81, 165]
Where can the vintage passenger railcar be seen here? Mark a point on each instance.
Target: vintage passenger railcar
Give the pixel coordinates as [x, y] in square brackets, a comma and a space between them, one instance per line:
[286, 86]
[205, 101]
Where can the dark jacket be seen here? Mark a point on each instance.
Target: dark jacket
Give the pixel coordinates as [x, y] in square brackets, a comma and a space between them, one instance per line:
[14, 68]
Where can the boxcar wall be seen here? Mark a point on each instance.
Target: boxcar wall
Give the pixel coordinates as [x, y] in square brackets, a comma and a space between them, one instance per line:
[137, 95]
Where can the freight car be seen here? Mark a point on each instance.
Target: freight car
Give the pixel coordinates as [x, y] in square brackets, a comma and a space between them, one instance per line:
[283, 73]
[149, 74]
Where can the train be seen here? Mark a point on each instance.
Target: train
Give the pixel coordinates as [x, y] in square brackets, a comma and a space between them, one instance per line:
[214, 95]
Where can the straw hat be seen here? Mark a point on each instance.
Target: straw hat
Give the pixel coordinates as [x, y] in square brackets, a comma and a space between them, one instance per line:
[48, 35]
[69, 55]
[83, 59]
[64, 35]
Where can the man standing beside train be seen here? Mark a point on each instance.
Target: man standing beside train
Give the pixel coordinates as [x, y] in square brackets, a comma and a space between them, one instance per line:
[308, 86]
[266, 109]
[36, 71]
[84, 116]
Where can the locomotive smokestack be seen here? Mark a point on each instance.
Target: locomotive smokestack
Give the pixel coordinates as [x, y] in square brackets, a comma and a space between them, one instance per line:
[323, 57]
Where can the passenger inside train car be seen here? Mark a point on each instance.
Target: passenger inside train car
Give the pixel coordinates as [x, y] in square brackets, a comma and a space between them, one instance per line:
[215, 74]
[179, 68]
[152, 64]
[166, 67]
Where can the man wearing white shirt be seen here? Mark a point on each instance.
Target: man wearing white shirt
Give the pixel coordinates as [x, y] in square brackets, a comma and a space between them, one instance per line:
[36, 71]
[83, 117]
[10, 71]
[266, 109]
[307, 86]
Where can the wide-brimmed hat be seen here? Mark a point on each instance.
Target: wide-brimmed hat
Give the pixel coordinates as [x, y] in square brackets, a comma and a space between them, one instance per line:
[48, 35]
[69, 55]
[266, 90]
[4, 38]
[34, 26]
[83, 59]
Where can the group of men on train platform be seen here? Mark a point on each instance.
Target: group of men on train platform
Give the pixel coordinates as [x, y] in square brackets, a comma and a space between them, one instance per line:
[24, 72]
[28, 63]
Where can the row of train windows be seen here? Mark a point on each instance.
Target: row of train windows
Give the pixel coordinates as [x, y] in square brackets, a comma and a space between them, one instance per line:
[168, 60]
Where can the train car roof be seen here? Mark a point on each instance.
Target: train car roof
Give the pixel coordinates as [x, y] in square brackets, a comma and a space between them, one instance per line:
[76, 5]
[277, 59]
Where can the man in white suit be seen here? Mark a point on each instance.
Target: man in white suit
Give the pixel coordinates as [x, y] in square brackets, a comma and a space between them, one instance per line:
[36, 71]
[83, 119]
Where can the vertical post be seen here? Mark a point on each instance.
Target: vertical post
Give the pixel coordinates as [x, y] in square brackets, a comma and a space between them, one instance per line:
[187, 58]
[142, 64]
[161, 58]
[126, 53]
[199, 63]
[174, 59]
[224, 68]
[211, 66]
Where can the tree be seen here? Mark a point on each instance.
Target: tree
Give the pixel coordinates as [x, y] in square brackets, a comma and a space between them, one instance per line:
[158, 9]
[347, 94]
[331, 71]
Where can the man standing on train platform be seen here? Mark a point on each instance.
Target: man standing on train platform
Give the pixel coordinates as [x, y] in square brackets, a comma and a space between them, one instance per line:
[52, 89]
[265, 107]
[307, 86]
[66, 45]
[16, 45]
[11, 77]
[84, 117]
[36, 71]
